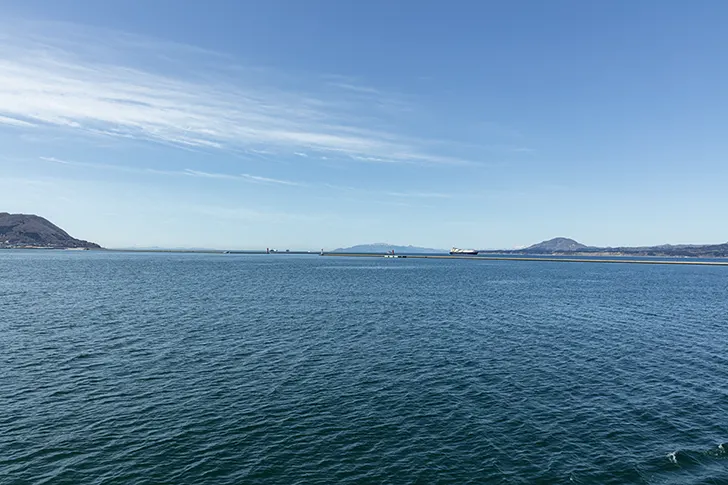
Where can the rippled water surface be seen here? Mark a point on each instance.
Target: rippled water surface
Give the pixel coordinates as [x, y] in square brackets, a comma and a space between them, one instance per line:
[226, 369]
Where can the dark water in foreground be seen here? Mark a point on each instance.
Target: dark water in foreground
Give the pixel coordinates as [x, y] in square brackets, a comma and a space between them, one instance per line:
[226, 369]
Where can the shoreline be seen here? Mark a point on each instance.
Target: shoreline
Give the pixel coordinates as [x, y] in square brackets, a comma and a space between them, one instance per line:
[663, 260]
[550, 259]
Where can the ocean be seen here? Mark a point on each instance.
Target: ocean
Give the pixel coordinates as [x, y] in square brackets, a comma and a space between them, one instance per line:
[134, 368]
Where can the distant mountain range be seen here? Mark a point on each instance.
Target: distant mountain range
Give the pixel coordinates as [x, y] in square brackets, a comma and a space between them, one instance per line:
[566, 246]
[27, 230]
[382, 248]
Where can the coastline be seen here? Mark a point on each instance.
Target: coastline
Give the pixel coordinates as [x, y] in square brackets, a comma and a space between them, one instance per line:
[548, 258]
[579, 257]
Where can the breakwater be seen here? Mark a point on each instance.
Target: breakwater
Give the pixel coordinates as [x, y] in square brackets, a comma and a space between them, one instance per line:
[534, 258]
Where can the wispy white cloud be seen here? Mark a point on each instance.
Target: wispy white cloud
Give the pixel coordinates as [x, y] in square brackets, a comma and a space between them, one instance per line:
[71, 79]
[421, 195]
[245, 177]
[107, 166]
[57, 160]
[186, 172]
[5, 120]
[197, 173]
[269, 180]
[355, 88]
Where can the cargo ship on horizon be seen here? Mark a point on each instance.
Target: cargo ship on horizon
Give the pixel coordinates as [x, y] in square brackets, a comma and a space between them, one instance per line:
[469, 252]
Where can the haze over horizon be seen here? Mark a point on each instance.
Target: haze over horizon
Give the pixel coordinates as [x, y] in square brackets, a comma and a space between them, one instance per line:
[296, 124]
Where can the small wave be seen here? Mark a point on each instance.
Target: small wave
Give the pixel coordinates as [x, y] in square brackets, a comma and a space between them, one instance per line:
[689, 457]
[672, 457]
[686, 458]
[721, 451]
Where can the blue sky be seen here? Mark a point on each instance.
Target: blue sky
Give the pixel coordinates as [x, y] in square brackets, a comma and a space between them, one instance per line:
[330, 123]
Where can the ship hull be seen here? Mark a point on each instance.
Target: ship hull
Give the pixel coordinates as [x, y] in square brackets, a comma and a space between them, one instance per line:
[464, 252]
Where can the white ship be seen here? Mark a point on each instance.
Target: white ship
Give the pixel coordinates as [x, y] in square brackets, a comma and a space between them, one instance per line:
[469, 252]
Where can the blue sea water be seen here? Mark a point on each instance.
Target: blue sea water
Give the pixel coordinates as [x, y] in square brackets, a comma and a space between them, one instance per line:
[120, 368]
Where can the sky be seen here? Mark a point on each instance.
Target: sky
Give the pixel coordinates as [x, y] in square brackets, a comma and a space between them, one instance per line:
[328, 123]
